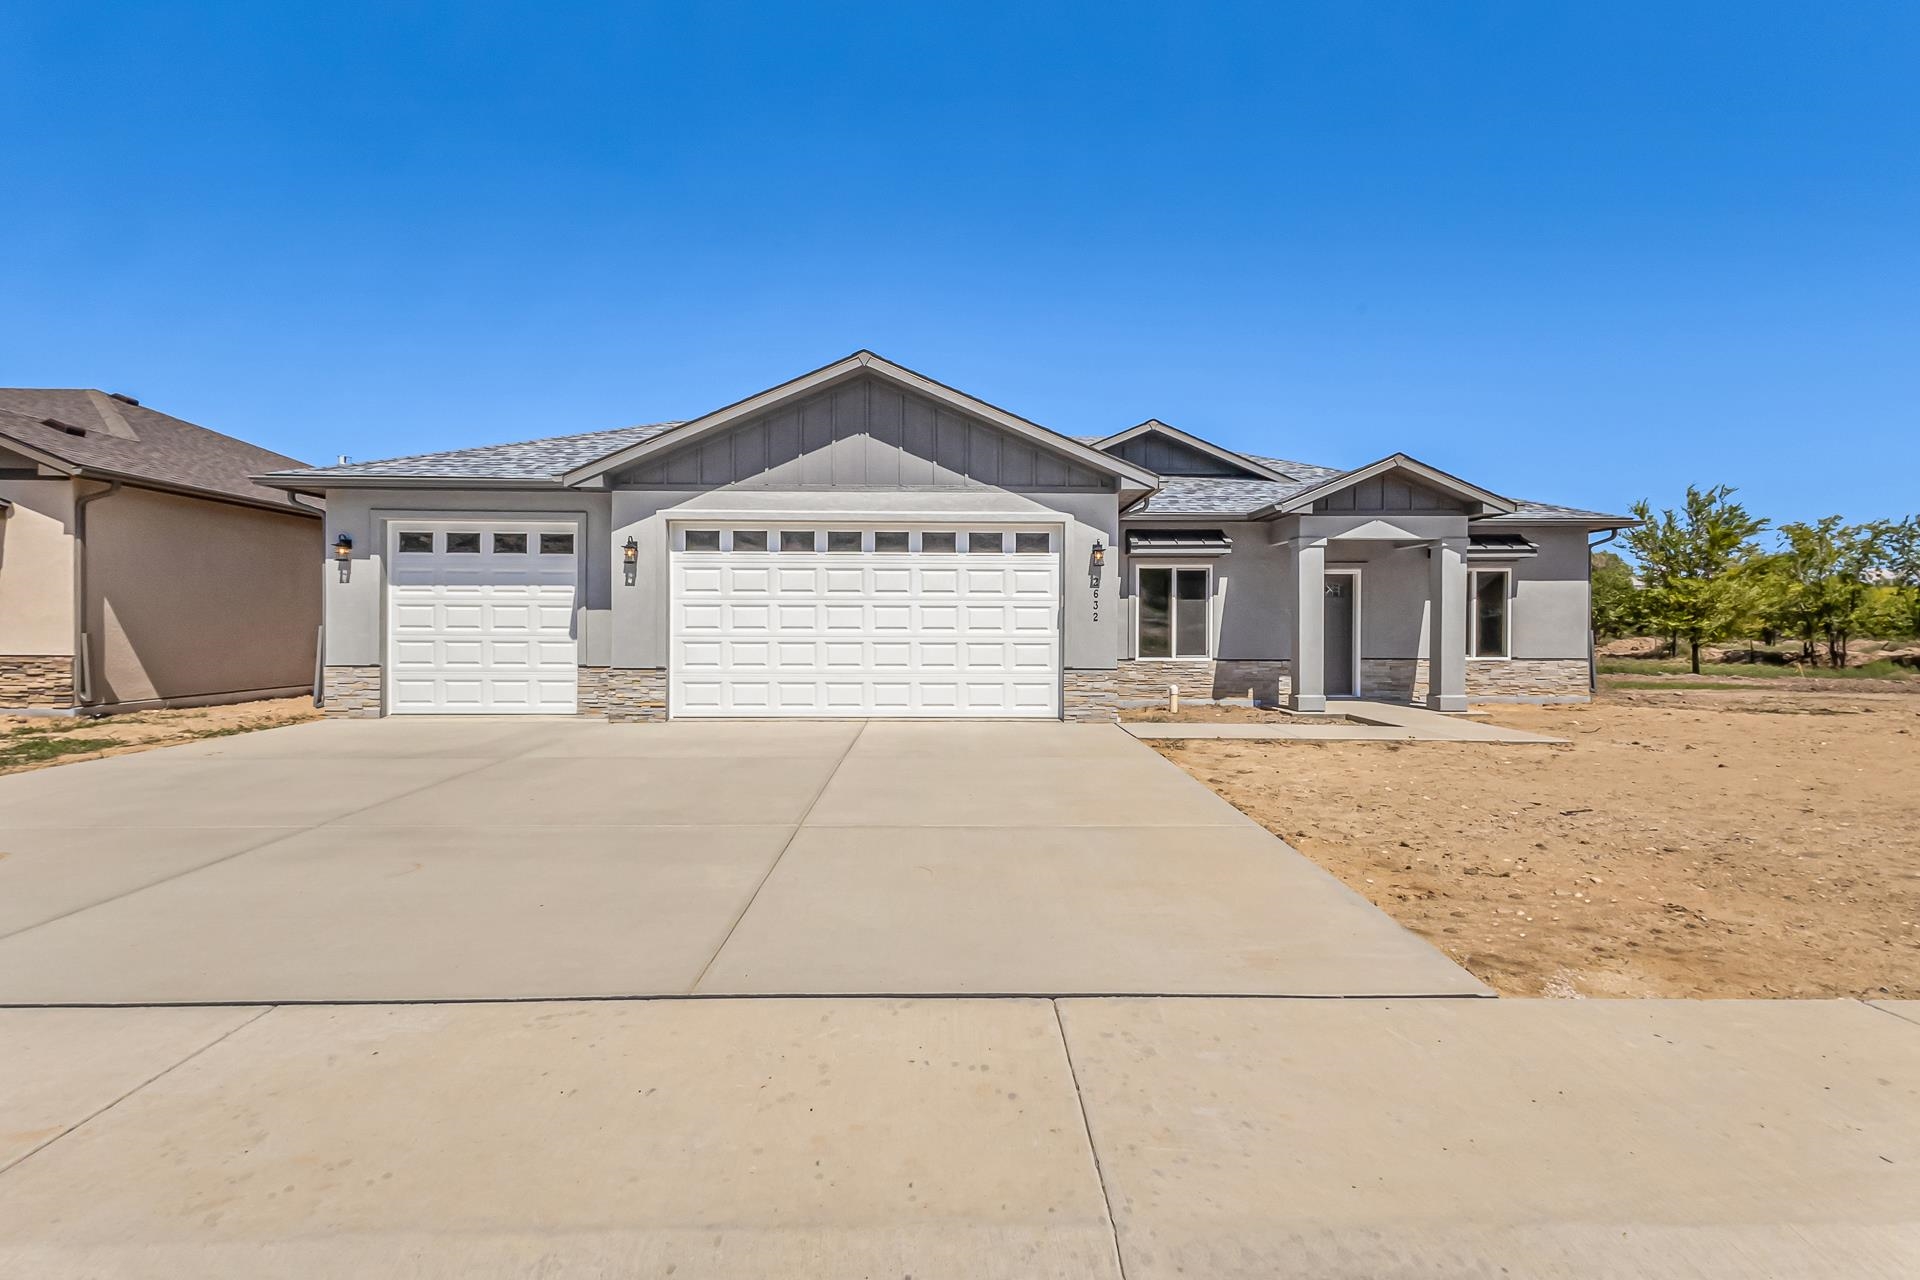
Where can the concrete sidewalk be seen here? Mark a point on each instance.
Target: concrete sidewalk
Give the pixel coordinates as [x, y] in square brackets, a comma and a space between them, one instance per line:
[1371, 722]
[964, 1138]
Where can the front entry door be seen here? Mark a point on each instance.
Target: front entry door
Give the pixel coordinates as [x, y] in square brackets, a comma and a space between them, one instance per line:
[1342, 619]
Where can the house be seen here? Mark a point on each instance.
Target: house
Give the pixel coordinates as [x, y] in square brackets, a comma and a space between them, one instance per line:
[864, 541]
[140, 565]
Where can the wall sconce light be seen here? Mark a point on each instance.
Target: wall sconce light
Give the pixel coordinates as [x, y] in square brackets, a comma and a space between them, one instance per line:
[1099, 553]
[630, 557]
[343, 554]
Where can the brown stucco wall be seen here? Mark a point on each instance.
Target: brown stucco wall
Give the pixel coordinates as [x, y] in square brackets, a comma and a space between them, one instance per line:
[188, 598]
[36, 567]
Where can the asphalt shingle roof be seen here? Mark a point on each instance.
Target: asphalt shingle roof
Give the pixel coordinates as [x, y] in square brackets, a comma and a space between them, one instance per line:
[544, 459]
[120, 439]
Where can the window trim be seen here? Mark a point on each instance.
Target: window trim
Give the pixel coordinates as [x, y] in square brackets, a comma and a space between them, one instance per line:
[1473, 615]
[1173, 610]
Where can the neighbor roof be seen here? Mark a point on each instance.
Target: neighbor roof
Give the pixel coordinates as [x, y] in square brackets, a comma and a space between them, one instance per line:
[86, 432]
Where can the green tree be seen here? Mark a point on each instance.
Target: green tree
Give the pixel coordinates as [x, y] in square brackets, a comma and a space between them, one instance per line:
[1900, 559]
[1616, 602]
[1818, 583]
[1697, 564]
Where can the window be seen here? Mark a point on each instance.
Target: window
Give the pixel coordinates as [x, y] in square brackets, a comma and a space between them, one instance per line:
[1028, 544]
[749, 539]
[703, 539]
[843, 540]
[991, 543]
[796, 539]
[463, 544]
[412, 543]
[1172, 611]
[890, 540]
[556, 544]
[509, 544]
[938, 541]
[1487, 613]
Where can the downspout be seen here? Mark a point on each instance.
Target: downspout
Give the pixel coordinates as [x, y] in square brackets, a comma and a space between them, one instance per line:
[82, 643]
[1593, 657]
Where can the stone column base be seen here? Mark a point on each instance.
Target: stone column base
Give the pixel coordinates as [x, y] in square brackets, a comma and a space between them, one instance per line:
[1528, 680]
[350, 692]
[634, 693]
[590, 697]
[1087, 696]
[39, 681]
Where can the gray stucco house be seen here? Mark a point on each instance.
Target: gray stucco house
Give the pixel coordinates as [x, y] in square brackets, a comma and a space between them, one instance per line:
[865, 541]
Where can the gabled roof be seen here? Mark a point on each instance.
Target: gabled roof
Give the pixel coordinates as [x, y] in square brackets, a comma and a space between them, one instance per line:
[862, 362]
[1153, 426]
[523, 461]
[91, 433]
[1490, 503]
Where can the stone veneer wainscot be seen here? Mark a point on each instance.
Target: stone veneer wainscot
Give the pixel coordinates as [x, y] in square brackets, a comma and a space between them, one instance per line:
[36, 680]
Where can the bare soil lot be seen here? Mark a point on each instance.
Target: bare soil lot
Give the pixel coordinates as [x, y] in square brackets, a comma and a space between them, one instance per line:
[34, 742]
[1745, 841]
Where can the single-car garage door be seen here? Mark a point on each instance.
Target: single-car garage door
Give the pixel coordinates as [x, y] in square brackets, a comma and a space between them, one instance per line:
[480, 618]
[844, 620]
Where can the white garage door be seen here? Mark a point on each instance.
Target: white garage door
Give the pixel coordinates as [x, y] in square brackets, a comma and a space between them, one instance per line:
[480, 618]
[851, 621]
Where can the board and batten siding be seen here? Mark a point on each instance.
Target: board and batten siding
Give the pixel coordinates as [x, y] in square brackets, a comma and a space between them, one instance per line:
[864, 434]
[1389, 494]
[1168, 457]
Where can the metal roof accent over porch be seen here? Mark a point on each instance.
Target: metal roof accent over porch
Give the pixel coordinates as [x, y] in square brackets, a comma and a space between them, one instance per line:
[1180, 542]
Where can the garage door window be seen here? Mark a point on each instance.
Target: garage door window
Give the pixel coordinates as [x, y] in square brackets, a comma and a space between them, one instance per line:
[703, 539]
[415, 544]
[1032, 543]
[509, 544]
[749, 539]
[796, 539]
[986, 543]
[938, 542]
[843, 540]
[893, 541]
[1172, 609]
[463, 544]
[556, 544]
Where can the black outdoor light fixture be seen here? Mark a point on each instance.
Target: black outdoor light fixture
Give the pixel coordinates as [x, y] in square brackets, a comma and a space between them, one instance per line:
[1099, 553]
[630, 556]
[343, 554]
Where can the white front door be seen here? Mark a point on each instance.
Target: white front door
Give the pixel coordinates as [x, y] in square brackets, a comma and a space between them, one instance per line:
[480, 617]
[853, 620]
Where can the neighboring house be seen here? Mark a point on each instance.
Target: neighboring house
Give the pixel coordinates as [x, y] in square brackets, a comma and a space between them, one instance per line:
[140, 565]
[864, 541]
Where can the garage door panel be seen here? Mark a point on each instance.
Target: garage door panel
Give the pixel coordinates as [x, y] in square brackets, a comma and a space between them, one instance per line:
[481, 632]
[864, 633]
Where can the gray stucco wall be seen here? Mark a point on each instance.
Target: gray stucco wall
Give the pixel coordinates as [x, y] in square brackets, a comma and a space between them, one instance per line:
[355, 618]
[1253, 588]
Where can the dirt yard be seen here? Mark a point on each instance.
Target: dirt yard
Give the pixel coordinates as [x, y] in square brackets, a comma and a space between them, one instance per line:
[34, 742]
[1727, 842]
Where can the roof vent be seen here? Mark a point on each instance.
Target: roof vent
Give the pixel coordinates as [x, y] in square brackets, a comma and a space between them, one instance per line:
[342, 461]
[67, 427]
[124, 399]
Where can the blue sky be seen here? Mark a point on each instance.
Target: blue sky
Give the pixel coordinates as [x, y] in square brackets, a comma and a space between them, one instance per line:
[1580, 253]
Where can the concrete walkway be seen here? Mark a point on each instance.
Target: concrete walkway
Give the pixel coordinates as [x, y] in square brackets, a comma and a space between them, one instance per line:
[1149, 1139]
[492, 859]
[1372, 722]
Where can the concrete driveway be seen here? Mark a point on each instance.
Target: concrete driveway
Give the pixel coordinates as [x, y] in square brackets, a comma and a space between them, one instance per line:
[499, 859]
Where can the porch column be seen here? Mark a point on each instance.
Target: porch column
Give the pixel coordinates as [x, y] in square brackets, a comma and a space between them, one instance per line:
[1309, 625]
[1447, 625]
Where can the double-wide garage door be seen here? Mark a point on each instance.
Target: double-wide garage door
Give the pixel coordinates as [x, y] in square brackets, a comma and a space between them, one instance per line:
[480, 617]
[851, 620]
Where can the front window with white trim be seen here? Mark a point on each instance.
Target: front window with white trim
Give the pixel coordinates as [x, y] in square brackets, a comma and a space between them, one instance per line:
[1170, 615]
[1488, 591]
